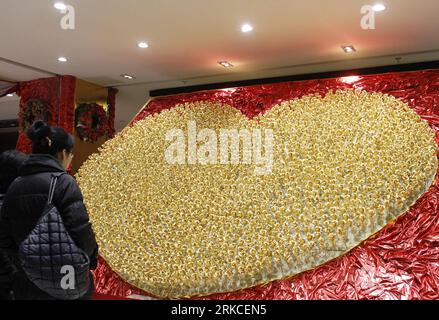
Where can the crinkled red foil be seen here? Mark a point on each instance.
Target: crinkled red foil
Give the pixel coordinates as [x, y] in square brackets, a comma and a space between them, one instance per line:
[399, 262]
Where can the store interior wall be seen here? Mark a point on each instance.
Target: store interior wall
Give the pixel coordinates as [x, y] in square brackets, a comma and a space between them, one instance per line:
[87, 92]
[9, 107]
[129, 101]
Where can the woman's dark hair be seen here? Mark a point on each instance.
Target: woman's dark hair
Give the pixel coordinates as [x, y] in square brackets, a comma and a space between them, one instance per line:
[49, 140]
[10, 162]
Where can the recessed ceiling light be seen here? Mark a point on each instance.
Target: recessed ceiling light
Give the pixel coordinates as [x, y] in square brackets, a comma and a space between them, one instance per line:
[127, 76]
[225, 64]
[62, 59]
[348, 49]
[9, 95]
[379, 7]
[246, 28]
[60, 6]
[143, 45]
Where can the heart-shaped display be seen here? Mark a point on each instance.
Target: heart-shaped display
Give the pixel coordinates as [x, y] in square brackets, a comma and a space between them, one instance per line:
[175, 220]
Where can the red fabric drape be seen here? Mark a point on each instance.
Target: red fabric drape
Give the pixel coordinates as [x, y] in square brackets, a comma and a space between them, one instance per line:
[399, 262]
[111, 101]
[59, 93]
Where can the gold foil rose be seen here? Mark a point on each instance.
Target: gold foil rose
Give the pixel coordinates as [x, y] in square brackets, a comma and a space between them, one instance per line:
[343, 166]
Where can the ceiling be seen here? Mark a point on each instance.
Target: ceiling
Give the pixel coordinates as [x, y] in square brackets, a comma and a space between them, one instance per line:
[188, 38]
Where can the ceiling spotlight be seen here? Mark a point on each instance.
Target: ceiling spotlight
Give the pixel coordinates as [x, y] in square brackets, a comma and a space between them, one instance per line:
[246, 28]
[225, 64]
[379, 7]
[127, 76]
[348, 49]
[143, 45]
[62, 59]
[60, 6]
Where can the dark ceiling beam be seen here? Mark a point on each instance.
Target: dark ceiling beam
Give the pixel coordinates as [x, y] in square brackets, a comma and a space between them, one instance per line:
[300, 77]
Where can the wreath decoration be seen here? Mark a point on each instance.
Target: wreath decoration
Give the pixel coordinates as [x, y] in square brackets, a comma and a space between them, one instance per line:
[33, 110]
[91, 121]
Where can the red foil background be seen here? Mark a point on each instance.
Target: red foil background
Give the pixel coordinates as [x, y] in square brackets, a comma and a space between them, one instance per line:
[399, 262]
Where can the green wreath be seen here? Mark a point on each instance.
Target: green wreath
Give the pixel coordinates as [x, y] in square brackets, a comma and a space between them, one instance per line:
[33, 110]
[91, 121]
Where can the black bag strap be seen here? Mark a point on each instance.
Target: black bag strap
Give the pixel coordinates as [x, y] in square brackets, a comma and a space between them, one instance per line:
[53, 181]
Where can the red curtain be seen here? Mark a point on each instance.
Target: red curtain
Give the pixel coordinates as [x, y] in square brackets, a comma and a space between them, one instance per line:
[59, 94]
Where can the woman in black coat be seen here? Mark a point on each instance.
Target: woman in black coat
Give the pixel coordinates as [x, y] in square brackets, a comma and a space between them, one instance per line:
[27, 196]
[10, 162]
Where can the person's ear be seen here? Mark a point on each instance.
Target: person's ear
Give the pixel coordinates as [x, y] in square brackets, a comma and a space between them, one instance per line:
[65, 154]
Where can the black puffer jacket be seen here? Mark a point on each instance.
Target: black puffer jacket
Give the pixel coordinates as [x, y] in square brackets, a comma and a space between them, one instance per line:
[6, 269]
[23, 206]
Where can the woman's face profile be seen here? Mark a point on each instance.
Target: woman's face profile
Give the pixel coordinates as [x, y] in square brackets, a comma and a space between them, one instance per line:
[65, 157]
